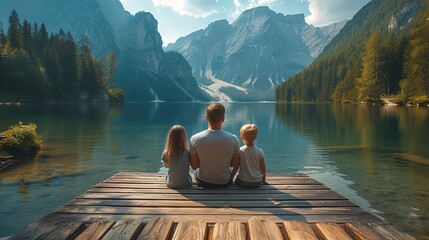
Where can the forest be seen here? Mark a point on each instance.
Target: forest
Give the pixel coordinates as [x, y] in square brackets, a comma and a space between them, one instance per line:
[372, 63]
[38, 66]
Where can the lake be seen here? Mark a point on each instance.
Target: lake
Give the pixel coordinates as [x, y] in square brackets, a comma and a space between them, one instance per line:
[352, 149]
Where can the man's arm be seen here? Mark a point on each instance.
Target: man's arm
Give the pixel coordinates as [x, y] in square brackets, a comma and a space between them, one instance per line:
[235, 163]
[195, 161]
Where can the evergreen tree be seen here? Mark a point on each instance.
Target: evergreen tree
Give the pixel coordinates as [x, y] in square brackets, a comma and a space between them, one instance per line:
[393, 56]
[41, 41]
[68, 60]
[28, 41]
[111, 69]
[88, 77]
[2, 35]
[371, 83]
[14, 33]
[416, 80]
[54, 71]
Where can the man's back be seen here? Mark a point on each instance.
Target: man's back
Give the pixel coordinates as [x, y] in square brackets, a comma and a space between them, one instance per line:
[215, 149]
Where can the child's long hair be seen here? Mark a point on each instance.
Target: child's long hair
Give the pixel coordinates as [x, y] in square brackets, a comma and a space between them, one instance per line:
[175, 144]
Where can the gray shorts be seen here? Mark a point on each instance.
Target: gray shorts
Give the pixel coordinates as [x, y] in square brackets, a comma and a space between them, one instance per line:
[244, 184]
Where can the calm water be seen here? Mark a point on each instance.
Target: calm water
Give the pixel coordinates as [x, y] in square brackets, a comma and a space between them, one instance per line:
[347, 147]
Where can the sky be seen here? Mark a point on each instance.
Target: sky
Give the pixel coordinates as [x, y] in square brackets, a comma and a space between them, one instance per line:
[178, 18]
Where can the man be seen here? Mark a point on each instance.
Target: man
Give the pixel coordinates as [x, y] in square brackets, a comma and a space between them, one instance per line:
[214, 151]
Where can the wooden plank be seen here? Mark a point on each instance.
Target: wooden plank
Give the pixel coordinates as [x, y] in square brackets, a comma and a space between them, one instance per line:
[389, 232]
[226, 203]
[207, 211]
[157, 228]
[35, 230]
[270, 176]
[362, 231]
[263, 229]
[298, 230]
[195, 230]
[196, 188]
[95, 230]
[310, 218]
[185, 191]
[291, 181]
[124, 229]
[229, 231]
[280, 175]
[213, 197]
[200, 191]
[331, 231]
[64, 230]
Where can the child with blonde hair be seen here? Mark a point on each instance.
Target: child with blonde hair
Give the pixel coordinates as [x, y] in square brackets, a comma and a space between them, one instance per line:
[176, 158]
[252, 171]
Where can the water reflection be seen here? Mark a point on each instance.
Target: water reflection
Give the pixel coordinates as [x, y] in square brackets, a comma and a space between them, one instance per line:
[69, 132]
[362, 142]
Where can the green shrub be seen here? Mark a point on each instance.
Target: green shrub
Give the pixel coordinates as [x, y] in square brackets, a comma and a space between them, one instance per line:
[21, 139]
[372, 101]
[420, 101]
[116, 95]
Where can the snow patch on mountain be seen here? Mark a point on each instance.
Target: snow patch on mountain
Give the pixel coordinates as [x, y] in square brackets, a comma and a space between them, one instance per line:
[214, 89]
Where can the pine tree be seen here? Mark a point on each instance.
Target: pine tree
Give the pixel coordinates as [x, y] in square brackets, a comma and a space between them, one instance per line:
[393, 57]
[111, 69]
[2, 35]
[14, 33]
[28, 40]
[68, 60]
[88, 77]
[416, 81]
[370, 84]
[41, 41]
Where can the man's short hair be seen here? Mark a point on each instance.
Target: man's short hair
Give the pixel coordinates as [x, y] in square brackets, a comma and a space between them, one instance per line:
[249, 132]
[215, 112]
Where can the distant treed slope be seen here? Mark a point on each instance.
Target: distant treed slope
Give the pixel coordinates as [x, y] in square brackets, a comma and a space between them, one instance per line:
[36, 66]
[75, 16]
[134, 39]
[334, 75]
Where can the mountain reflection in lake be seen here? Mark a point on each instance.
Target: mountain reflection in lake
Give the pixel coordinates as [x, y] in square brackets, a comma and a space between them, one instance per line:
[350, 148]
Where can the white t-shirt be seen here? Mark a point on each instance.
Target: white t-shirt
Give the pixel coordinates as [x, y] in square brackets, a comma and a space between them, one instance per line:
[250, 164]
[215, 149]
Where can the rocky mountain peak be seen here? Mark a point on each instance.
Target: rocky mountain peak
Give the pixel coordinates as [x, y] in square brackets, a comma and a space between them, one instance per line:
[254, 54]
[143, 32]
[219, 27]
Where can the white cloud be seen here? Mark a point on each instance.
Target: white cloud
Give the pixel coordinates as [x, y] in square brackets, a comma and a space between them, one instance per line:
[197, 9]
[324, 12]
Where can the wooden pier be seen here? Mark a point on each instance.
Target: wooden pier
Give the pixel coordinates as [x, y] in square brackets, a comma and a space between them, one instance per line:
[135, 205]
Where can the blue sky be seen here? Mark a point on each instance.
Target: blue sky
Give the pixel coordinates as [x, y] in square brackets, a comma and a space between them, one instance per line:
[177, 18]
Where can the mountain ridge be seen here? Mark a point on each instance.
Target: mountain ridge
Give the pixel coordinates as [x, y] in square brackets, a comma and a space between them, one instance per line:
[257, 52]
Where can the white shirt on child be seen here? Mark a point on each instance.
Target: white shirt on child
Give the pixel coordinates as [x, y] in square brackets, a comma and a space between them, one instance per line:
[250, 164]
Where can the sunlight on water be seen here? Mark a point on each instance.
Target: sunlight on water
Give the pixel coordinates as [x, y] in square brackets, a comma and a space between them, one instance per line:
[364, 153]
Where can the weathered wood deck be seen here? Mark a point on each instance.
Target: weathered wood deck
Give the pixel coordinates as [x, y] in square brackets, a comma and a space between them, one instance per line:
[140, 206]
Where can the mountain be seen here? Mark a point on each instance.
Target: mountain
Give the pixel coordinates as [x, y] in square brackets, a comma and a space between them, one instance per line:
[248, 59]
[145, 71]
[344, 70]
